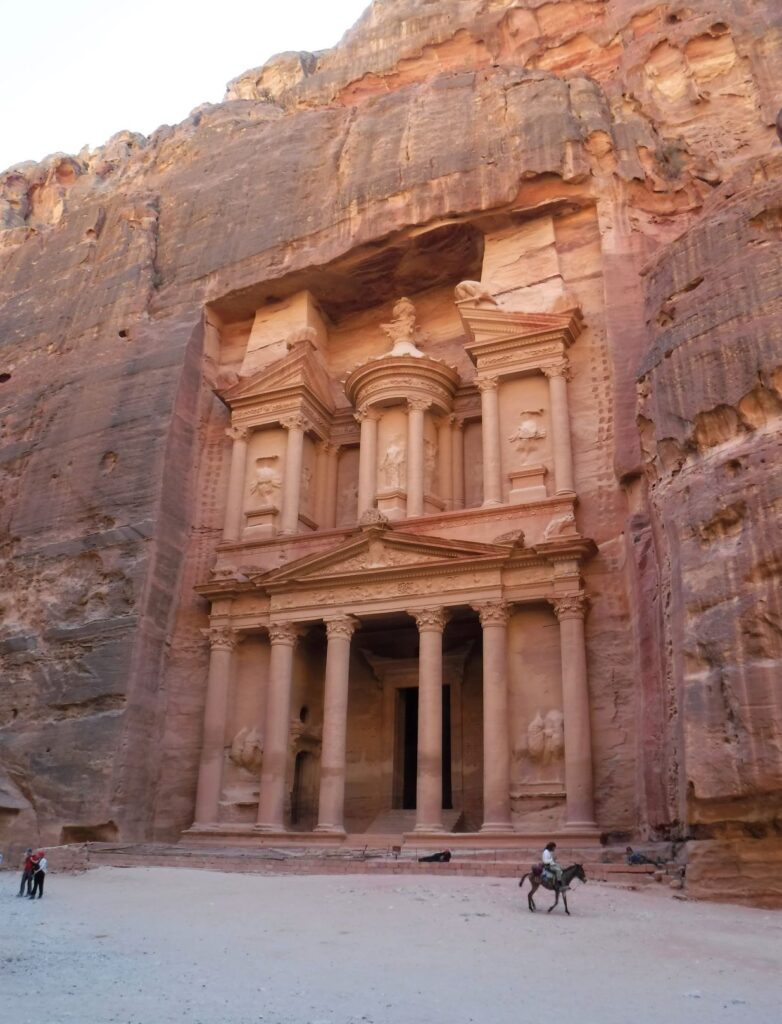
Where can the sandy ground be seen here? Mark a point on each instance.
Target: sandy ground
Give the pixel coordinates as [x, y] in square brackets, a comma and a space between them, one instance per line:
[157, 945]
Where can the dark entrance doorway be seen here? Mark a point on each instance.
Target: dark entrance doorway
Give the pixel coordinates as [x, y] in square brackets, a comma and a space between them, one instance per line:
[408, 748]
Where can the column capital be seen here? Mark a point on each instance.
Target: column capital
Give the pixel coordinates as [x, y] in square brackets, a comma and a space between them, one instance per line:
[222, 638]
[366, 412]
[341, 627]
[558, 369]
[237, 433]
[571, 606]
[419, 404]
[493, 613]
[457, 422]
[433, 619]
[328, 447]
[487, 383]
[296, 421]
[284, 633]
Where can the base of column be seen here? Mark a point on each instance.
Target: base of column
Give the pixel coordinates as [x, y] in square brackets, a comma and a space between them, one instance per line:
[566, 493]
[496, 826]
[330, 830]
[491, 503]
[577, 827]
[429, 829]
[270, 829]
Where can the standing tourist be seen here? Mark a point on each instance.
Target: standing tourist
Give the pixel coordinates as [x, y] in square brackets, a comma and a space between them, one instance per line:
[27, 873]
[39, 875]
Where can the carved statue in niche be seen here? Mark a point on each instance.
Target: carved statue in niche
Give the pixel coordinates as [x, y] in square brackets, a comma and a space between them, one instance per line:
[247, 750]
[430, 461]
[561, 526]
[403, 332]
[529, 432]
[306, 487]
[267, 480]
[392, 468]
[546, 747]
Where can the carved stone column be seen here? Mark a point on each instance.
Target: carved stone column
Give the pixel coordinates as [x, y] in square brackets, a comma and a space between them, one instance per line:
[321, 482]
[291, 484]
[416, 408]
[560, 427]
[496, 736]
[367, 460]
[580, 808]
[457, 451]
[271, 804]
[332, 466]
[234, 505]
[445, 460]
[222, 642]
[331, 802]
[490, 433]
[429, 783]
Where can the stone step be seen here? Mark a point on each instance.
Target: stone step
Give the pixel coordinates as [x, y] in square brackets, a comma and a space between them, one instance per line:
[399, 822]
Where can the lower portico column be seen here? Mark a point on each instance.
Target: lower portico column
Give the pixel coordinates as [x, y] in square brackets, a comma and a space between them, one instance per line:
[271, 803]
[223, 641]
[429, 783]
[580, 806]
[331, 801]
[496, 736]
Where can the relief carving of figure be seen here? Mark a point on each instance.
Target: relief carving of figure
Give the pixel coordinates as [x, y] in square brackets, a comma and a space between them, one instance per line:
[560, 526]
[430, 461]
[554, 734]
[267, 480]
[529, 431]
[306, 486]
[536, 737]
[392, 468]
[403, 332]
[247, 750]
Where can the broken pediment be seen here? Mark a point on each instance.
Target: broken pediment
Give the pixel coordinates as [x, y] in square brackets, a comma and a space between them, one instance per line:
[490, 325]
[381, 550]
[299, 372]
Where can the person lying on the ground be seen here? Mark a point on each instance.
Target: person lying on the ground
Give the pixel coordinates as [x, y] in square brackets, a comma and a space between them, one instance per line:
[437, 858]
[640, 858]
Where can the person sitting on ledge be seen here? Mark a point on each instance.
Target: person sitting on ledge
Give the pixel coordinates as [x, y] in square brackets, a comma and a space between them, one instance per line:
[437, 858]
[640, 858]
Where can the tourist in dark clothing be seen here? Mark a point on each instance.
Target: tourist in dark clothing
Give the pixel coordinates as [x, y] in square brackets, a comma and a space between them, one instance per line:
[27, 874]
[39, 875]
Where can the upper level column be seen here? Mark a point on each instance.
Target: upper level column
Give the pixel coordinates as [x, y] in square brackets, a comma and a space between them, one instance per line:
[580, 810]
[367, 460]
[496, 736]
[416, 407]
[490, 433]
[234, 507]
[331, 802]
[271, 802]
[457, 452]
[330, 503]
[560, 427]
[291, 484]
[445, 460]
[429, 782]
[222, 641]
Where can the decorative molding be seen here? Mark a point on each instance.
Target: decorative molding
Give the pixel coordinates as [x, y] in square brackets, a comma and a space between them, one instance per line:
[572, 606]
[431, 619]
[493, 613]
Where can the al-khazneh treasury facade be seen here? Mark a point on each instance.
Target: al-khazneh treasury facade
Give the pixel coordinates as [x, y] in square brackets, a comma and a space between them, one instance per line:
[369, 686]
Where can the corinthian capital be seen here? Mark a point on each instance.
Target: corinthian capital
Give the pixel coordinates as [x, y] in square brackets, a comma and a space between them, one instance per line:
[295, 422]
[222, 638]
[430, 619]
[486, 384]
[420, 404]
[237, 433]
[366, 412]
[572, 606]
[341, 627]
[560, 369]
[492, 613]
[283, 633]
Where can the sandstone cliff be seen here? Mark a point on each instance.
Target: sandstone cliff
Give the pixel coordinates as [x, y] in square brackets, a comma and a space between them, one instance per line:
[654, 122]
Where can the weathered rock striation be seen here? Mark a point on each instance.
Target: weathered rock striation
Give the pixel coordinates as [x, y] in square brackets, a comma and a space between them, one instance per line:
[617, 156]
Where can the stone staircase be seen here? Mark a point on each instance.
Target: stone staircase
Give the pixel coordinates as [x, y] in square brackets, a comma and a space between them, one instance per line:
[398, 822]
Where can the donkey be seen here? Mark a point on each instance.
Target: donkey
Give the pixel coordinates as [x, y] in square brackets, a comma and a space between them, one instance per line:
[538, 878]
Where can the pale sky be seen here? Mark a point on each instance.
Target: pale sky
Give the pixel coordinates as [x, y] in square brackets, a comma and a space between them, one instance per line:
[75, 73]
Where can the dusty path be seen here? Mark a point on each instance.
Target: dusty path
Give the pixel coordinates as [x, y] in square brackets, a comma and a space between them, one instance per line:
[157, 945]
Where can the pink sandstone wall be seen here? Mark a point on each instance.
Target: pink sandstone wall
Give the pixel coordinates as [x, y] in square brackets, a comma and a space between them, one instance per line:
[633, 137]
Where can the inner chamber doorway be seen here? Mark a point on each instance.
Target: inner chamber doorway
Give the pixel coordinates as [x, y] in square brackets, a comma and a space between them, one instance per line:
[406, 749]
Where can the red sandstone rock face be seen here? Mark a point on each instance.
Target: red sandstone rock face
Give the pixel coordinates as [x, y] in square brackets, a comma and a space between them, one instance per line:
[627, 116]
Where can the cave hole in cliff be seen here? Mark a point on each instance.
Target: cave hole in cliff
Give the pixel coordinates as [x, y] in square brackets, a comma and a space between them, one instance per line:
[106, 832]
[4, 377]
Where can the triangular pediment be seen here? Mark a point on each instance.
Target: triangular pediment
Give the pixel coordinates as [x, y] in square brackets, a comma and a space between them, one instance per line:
[382, 551]
[492, 324]
[301, 369]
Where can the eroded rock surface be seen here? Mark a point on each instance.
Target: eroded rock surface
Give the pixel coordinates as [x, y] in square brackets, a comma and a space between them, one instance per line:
[635, 141]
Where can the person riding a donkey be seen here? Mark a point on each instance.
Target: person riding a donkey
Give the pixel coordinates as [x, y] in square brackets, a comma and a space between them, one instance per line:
[549, 862]
[549, 874]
